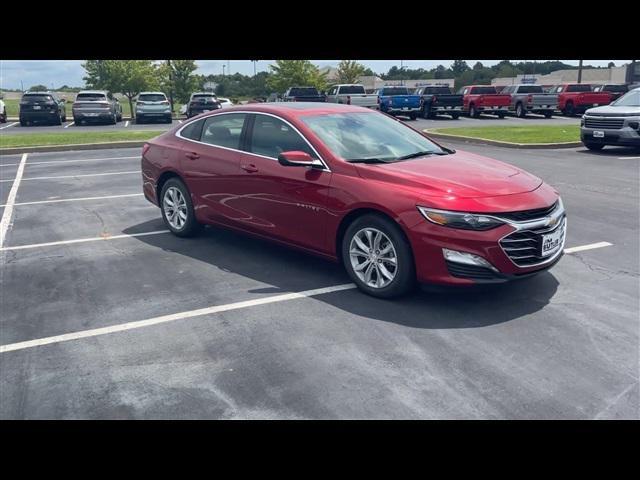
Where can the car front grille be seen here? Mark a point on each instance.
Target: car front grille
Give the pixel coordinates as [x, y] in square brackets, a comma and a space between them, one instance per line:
[524, 247]
[525, 215]
[607, 123]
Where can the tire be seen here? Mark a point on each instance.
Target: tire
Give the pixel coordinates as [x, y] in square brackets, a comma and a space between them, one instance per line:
[139, 121]
[520, 111]
[76, 121]
[23, 123]
[473, 113]
[413, 115]
[500, 115]
[425, 112]
[594, 146]
[403, 275]
[58, 120]
[168, 120]
[114, 120]
[569, 110]
[189, 226]
[455, 116]
[119, 117]
[548, 114]
[3, 119]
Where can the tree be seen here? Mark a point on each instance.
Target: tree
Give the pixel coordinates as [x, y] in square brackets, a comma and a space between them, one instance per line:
[291, 73]
[611, 65]
[349, 71]
[38, 88]
[478, 66]
[459, 67]
[129, 77]
[177, 79]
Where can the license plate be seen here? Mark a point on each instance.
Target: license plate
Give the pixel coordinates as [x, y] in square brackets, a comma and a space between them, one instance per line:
[37, 107]
[552, 241]
[598, 134]
[447, 107]
[91, 114]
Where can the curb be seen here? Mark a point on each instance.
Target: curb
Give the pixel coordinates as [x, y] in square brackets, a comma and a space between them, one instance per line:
[498, 143]
[79, 146]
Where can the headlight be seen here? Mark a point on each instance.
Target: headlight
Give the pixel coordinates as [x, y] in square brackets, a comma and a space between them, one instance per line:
[462, 220]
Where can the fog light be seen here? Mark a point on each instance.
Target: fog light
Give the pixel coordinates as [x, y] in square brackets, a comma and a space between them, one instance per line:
[634, 125]
[466, 259]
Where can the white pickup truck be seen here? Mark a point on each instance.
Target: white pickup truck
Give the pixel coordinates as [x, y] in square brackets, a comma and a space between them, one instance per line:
[352, 94]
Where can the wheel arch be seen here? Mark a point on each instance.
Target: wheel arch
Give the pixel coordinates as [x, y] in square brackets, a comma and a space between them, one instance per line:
[163, 178]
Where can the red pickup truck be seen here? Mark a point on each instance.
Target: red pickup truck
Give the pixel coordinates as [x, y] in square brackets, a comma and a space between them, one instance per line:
[578, 97]
[479, 99]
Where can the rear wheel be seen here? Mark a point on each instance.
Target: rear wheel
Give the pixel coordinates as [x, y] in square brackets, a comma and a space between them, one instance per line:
[500, 115]
[413, 115]
[520, 111]
[594, 146]
[548, 114]
[58, 120]
[455, 116]
[569, 109]
[23, 123]
[114, 119]
[378, 257]
[177, 209]
[473, 113]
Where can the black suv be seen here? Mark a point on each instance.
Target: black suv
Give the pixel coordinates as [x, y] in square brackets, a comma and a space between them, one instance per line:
[43, 107]
[201, 102]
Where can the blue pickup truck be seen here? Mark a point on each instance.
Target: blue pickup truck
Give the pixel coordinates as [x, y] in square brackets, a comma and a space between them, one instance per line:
[398, 101]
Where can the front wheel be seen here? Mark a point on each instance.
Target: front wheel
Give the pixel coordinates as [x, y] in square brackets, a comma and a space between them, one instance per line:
[548, 114]
[177, 209]
[413, 115]
[569, 110]
[520, 111]
[473, 113]
[594, 146]
[378, 257]
[455, 116]
[501, 115]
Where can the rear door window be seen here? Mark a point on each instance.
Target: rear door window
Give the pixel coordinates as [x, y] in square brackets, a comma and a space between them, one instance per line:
[152, 97]
[223, 130]
[193, 131]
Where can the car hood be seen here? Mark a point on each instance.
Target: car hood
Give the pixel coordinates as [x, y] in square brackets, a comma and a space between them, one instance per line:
[612, 110]
[462, 175]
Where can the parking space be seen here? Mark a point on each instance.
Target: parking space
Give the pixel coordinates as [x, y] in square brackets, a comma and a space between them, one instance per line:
[105, 315]
[70, 126]
[445, 121]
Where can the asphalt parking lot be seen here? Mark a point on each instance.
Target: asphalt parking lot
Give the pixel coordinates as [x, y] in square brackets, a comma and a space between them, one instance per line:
[13, 127]
[105, 315]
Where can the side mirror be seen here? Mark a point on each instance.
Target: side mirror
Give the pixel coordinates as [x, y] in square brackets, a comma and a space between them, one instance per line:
[296, 158]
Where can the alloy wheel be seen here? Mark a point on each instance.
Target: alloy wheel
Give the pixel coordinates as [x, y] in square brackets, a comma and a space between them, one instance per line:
[175, 208]
[373, 257]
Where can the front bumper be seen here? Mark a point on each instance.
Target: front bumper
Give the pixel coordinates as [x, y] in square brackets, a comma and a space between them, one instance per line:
[39, 116]
[428, 241]
[446, 109]
[625, 136]
[493, 108]
[92, 114]
[402, 110]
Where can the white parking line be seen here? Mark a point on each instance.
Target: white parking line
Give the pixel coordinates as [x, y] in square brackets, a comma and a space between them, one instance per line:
[48, 162]
[77, 199]
[9, 125]
[179, 121]
[82, 240]
[8, 210]
[74, 176]
[67, 126]
[126, 124]
[628, 158]
[172, 318]
[587, 247]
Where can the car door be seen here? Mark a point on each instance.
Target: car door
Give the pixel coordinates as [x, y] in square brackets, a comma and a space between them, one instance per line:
[210, 162]
[284, 202]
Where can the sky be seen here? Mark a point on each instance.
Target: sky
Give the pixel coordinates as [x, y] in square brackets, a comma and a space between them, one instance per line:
[56, 73]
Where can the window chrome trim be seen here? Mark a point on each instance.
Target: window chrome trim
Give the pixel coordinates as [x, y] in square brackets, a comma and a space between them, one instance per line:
[320, 159]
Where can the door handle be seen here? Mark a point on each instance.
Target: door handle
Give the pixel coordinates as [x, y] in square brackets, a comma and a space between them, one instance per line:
[192, 155]
[251, 168]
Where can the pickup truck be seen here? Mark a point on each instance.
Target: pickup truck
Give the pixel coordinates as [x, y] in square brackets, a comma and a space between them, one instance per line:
[527, 98]
[352, 94]
[398, 101]
[436, 99]
[577, 98]
[479, 99]
[303, 94]
[616, 90]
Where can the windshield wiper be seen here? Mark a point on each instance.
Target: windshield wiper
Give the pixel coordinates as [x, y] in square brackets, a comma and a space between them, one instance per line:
[367, 160]
[421, 154]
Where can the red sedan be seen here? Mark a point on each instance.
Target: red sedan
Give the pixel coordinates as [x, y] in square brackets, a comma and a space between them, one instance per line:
[356, 186]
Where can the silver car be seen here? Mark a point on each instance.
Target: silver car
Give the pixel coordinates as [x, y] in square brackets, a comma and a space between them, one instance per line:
[615, 124]
[152, 106]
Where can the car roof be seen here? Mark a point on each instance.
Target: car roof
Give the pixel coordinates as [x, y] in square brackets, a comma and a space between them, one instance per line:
[296, 109]
[104, 92]
[38, 93]
[152, 93]
[204, 93]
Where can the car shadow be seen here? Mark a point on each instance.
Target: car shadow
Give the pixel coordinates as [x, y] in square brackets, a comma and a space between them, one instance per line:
[288, 270]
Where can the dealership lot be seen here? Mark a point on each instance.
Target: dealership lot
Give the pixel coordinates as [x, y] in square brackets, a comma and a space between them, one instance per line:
[563, 344]
[71, 127]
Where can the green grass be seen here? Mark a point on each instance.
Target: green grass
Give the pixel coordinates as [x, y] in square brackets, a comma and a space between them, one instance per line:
[39, 139]
[528, 134]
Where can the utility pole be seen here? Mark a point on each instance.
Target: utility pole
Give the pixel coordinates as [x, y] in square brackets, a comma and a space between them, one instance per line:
[170, 84]
[254, 67]
[223, 67]
[580, 72]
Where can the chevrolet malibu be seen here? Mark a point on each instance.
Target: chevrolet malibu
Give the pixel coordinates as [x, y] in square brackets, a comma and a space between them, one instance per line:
[358, 187]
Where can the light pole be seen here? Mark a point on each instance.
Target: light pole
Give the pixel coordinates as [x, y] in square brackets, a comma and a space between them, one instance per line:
[580, 72]
[223, 67]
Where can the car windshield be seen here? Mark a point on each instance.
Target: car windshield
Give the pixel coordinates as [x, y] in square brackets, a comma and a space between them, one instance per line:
[152, 97]
[631, 99]
[36, 98]
[369, 135]
[90, 96]
[615, 88]
[303, 91]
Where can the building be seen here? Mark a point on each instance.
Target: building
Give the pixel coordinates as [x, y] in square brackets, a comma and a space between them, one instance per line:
[598, 76]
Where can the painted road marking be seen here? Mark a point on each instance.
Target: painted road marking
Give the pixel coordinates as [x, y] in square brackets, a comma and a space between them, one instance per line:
[9, 125]
[48, 162]
[82, 240]
[11, 199]
[67, 126]
[587, 247]
[628, 158]
[179, 121]
[74, 176]
[172, 318]
[126, 124]
[78, 199]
